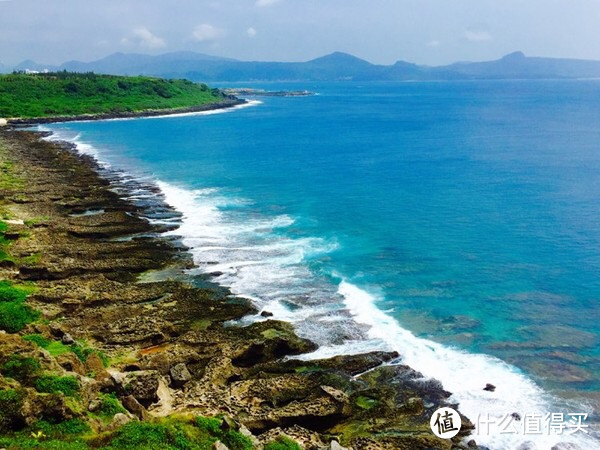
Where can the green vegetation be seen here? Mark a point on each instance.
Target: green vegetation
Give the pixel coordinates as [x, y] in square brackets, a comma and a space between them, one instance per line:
[282, 443]
[56, 348]
[68, 94]
[21, 368]
[366, 402]
[52, 384]
[58, 430]
[14, 313]
[109, 406]
[177, 433]
[11, 401]
[4, 243]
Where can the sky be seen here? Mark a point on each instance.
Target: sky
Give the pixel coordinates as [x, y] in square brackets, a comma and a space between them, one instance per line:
[432, 32]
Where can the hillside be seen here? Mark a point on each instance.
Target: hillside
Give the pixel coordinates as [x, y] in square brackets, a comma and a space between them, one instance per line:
[72, 94]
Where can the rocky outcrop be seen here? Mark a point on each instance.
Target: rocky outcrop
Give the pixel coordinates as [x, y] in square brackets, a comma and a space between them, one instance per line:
[174, 347]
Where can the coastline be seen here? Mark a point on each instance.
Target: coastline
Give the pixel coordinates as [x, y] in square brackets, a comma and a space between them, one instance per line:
[224, 104]
[95, 259]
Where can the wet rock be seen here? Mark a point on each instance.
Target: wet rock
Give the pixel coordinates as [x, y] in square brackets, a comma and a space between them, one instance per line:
[266, 314]
[180, 375]
[516, 416]
[489, 387]
[566, 446]
[472, 444]
[356, 364]
[527, 446]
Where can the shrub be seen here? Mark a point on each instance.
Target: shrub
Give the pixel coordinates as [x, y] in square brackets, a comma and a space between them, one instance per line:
[283, 443]
[109, 406]
[53, 384]
[11, 402]
[38, 340]
[21, 368]
[232, 439]
[9, 293]
[15, 315]
[62, 429]
[209, 424]
[137, 435]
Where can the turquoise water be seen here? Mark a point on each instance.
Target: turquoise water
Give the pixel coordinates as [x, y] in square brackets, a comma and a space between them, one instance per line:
[465, 211]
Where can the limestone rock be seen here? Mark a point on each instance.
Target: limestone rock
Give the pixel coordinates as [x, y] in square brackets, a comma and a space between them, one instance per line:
[67, 339]
[134, 407]
[143, 385]
[118, 421]
[180, 375]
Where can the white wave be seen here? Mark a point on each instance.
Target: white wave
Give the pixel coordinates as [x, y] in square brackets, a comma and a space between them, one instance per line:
[464, 374]
[253, 260]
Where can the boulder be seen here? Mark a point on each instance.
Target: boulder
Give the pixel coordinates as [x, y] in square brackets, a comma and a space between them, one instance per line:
[134, 407]
[143, 385]
[219, 446]
[489, 387]
[118, 421]
[93, 364]
[180, 375]
[67, 339]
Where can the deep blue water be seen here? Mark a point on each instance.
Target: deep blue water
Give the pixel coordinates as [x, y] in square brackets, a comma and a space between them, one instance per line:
[468, 211]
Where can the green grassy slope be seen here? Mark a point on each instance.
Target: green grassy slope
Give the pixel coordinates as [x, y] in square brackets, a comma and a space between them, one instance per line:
[69, 94]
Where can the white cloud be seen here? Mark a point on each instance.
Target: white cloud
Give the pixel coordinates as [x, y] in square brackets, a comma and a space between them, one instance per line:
[477, 36]
[207, 32]
[142, 36]
[266, 2]
[251, 31]
[434, 43]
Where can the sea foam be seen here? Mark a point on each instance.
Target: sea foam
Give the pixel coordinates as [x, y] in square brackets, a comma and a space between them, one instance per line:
[253, 256]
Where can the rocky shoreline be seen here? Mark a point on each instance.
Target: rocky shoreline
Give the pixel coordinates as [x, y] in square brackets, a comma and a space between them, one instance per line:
[164, 346]
[228, 102]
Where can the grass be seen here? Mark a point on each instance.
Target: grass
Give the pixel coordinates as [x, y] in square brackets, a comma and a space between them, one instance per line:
[282, 443]
[52, 384]
[109, 406]
[66, 435]
[67, 94]
[56, 348]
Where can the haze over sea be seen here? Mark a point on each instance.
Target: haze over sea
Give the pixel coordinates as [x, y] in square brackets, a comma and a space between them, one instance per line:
[454, 222]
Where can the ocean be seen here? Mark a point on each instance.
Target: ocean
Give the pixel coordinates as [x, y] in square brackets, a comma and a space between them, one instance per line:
[454, 222]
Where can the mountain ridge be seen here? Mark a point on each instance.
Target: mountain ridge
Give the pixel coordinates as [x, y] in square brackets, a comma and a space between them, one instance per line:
[331, 67]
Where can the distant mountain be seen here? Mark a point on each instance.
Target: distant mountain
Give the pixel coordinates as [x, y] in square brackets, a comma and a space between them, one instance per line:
[135, 64]
[32, 65]
[335, 66]
[517, 65]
